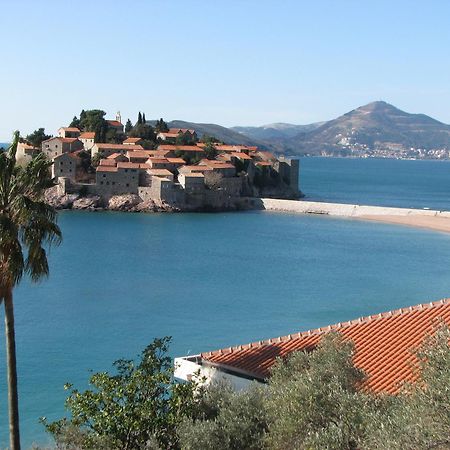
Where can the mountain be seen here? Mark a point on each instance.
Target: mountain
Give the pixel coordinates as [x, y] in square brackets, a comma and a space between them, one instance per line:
[377, 128]
[276, 131]
[224, 134]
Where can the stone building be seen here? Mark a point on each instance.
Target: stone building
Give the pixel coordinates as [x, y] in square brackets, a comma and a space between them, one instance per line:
[69, 132]
[109, 149]
[25, 152]
[58, 145]
[88, 139]
[66, 165]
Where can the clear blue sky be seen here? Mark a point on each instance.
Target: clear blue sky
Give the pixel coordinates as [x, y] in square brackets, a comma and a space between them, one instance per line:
[227, 62]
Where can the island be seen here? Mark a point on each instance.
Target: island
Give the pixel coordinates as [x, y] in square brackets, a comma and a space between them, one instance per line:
[102, 164]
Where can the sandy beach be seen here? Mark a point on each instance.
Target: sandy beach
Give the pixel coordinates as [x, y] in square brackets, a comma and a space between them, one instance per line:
[435, 223]
[419, 218]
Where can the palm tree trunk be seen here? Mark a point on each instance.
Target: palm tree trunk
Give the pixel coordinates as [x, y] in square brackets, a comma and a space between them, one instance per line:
[13, 399]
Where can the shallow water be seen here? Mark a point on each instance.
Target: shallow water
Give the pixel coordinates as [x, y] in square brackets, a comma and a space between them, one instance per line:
[210, 281]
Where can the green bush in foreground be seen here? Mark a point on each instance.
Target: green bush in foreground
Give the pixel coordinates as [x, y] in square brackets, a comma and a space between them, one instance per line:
[139, 407]
[311, 401]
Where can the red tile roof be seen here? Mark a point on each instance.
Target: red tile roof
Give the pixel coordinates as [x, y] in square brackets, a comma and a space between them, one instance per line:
[139, 154]
[127, 165]
[195, 168]
[181, 130]
[267, 156]
[263, 163]
[383, 345]
[106, 169]
[160, 172]
[87, 135]
[123, 147]
[108, 162]
[131, 140]
[114, 123]
[72, 129]
[116, 155]
[241, 155]
[176, 160]
[183, 148]
[169, 135]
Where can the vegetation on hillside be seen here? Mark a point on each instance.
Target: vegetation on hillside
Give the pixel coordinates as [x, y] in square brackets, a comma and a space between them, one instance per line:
[312, 400]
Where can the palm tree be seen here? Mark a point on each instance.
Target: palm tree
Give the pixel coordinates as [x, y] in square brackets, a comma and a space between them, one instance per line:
[27, 224]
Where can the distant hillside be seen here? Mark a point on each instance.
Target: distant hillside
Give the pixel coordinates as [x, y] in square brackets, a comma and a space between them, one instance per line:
[224, 134]
[276, 132]
[375, 127]
[4, 145]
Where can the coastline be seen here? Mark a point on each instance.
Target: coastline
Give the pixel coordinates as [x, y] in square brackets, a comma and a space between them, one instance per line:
[418, 218]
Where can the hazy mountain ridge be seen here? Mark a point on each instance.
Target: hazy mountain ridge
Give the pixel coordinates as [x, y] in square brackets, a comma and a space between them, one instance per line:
[276, 131]
[378, 128]
[224, 134]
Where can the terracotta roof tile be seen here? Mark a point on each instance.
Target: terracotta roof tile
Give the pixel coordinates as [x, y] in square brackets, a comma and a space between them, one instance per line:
[126, 147]
[127, 165]
[383, 345]
[108, 162]
[183, 148]
[106, 169]
[87, 135]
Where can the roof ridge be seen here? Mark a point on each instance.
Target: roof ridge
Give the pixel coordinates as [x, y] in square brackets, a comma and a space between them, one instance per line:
[337, 326]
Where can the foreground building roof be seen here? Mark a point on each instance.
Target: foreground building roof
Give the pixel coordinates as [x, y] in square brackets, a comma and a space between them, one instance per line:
[384, 346]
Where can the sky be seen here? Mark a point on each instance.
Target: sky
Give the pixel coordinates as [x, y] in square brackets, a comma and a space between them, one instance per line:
[228, 62]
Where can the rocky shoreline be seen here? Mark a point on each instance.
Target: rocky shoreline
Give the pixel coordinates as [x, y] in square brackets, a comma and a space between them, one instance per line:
[128, 203]
[124, 203]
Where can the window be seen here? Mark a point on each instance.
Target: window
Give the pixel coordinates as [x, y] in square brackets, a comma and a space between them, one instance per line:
[128, 184]
[104, 175]
[101, 182]
[113, 183]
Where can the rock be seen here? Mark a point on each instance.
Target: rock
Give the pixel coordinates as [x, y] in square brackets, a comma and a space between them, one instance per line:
[126, 202]
[90, 202]
[58, 201]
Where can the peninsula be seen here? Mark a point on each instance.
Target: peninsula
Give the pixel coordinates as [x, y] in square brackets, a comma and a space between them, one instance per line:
[102, 164]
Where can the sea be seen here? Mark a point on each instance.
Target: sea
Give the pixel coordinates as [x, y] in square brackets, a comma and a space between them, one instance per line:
[215, 280]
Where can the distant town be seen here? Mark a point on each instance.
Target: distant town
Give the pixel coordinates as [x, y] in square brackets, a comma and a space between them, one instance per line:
[101, 163]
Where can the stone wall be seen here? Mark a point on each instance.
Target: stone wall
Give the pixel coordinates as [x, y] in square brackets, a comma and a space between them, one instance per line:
[339, 209]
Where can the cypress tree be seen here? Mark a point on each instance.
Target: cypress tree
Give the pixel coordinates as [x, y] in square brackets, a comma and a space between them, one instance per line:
[143, 118]
[128, 126]
[139, 118]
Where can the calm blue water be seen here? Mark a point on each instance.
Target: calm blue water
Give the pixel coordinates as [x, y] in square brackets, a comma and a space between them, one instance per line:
[210, 280]
[385, 182]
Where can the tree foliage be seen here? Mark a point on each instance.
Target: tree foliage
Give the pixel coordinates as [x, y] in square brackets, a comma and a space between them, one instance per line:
[27, 227]
[138, 405]
[210, 151]
[161, 126]
[207, 139]
[37, 137]
[226, 420]
[94, 120]
[128, 126]
[75, 122]
[185, 139]
[312, 400]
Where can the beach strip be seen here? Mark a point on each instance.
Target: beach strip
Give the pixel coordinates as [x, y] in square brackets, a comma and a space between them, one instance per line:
[419, 218]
